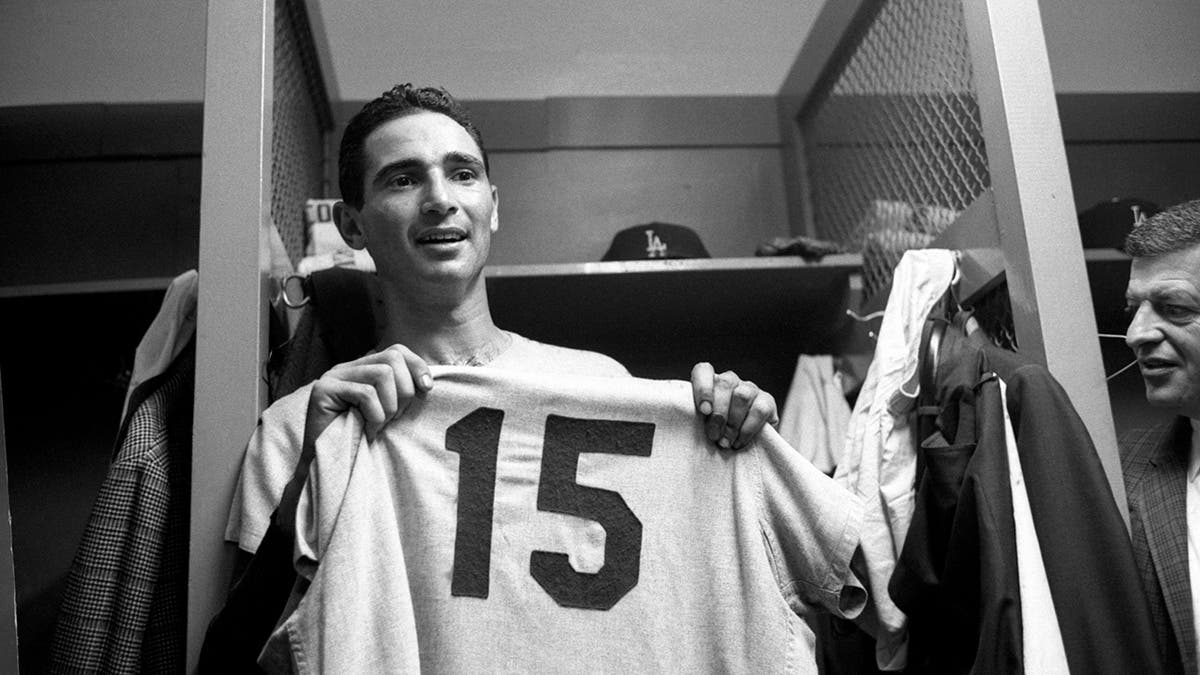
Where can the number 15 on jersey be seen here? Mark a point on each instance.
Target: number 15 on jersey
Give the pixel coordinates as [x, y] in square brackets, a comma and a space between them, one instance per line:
[476, 439]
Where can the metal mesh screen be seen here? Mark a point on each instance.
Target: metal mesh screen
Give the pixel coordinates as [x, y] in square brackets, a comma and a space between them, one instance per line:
[894, 147]
[298, 144]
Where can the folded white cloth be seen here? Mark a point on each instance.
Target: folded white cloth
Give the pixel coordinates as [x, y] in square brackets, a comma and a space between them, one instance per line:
[325, 238]
[360, 260]
[323, 235]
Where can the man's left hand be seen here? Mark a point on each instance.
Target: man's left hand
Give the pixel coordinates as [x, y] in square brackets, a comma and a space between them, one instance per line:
[735, 410]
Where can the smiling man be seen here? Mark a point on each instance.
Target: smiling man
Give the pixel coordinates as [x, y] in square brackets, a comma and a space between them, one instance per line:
[417, 195]
[1162, 466]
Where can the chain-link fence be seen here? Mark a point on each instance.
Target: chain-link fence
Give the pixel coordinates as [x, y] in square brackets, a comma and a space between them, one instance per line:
[300, 118]
[893, 143]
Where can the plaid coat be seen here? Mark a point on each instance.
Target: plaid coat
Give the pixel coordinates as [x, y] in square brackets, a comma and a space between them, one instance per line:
[125, 606]
[1155, 465]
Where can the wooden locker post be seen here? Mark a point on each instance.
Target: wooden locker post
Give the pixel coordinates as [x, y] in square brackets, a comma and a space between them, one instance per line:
[235, 207]
[1035, 212]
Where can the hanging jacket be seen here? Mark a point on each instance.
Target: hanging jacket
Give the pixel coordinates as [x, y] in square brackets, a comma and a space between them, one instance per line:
[957, 577]
[1102, 611]
[125, 605]
[815, 414]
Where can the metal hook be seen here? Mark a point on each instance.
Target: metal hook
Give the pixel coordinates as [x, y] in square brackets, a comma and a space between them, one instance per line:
[283, 294]
[863, 319]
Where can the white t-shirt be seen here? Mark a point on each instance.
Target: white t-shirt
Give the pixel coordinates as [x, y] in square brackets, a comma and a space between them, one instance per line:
[274, 449]
[524, 523]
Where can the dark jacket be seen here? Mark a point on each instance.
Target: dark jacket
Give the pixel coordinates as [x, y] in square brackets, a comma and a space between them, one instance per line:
[956, 578]
[957, 573]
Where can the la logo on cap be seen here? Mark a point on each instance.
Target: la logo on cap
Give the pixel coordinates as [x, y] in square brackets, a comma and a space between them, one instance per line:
[655, 240]
[655, 248]
[1107, 223]
[1139, 216]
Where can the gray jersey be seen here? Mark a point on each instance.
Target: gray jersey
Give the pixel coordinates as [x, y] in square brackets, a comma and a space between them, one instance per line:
[524, 523]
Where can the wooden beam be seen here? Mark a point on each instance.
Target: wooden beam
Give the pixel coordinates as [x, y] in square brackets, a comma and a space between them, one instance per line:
[235, 207]
[1036, 215]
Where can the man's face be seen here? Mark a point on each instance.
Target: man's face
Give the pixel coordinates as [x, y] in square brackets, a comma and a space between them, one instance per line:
[428, 207]
[1163, 298]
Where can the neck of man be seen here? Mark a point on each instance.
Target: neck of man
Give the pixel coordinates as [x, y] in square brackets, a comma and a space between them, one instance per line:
[444, 328]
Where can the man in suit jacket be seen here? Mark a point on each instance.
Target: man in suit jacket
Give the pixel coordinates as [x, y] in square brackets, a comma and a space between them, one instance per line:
[1161, 466]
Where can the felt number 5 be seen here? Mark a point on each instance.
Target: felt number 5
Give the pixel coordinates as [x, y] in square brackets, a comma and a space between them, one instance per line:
[567, 438]
[476, 438]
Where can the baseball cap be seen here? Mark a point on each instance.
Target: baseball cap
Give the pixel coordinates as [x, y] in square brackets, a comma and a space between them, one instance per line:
[656, 240]
[1105, 224]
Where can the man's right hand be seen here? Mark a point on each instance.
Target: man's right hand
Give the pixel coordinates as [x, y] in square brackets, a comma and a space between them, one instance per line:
[380, 385]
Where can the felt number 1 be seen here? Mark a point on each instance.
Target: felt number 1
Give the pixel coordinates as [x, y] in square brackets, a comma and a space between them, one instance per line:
[476, 439]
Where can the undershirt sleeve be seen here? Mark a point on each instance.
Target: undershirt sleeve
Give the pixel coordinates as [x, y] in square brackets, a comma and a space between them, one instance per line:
[267, 466]
[337, 449]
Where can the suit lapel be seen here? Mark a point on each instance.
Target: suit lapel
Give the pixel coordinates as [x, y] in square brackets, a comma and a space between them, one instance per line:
[1166, 532]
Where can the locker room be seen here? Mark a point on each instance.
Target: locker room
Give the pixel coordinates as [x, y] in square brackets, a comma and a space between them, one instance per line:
[760, 337]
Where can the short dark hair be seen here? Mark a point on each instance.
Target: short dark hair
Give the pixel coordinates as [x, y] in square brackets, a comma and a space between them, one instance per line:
[1173, 229]
[400, 100]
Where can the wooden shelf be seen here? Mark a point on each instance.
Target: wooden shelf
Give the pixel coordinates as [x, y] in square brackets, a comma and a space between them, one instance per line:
[658, 317]
[78, 287]
[751, 315]
[851, 262]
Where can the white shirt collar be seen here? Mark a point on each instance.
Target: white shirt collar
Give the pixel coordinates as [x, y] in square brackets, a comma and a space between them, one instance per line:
[1194, 457]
